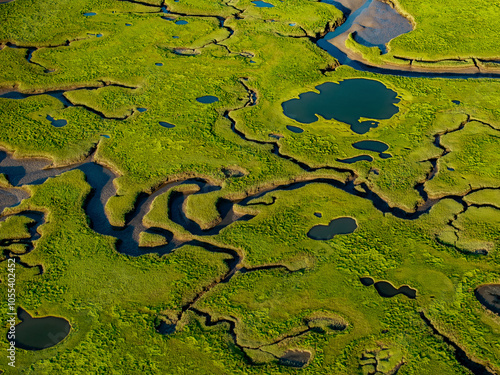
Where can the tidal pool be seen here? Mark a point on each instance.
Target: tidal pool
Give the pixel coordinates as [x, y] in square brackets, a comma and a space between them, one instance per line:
[341, 225]
[40, 333]
[262, 4]
[356, 159]
[57, 123]
[208, 99]
[347, 101]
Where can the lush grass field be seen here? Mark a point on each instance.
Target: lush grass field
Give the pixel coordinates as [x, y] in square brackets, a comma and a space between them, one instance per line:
[291, 284]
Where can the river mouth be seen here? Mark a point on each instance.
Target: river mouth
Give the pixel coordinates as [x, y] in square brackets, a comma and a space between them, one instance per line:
[40, 333]
[341, 225]
[348, 101]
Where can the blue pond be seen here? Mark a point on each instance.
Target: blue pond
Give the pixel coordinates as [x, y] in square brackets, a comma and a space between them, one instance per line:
[56, 123]
[181, 22]
[128, 24]
[347, 101]
[167, 124]
[262, 4]
[457, 102]
[207, 99]
[175, 37]
[142, 109]
[341, 225]
[98, 35]
[105, 136]
[159, 64]
[89, 14]
[356, 159]
[294, 129]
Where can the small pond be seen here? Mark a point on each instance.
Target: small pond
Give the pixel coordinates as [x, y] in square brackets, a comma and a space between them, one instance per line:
[89, 14]
[489, 296]
[40, 333]
[294, 129]
[140, 109]
[181, 22]
[371, 146]
[341, 225]
[208, 99]
[166, 125]
[347, 101]
[356, 159]
[57, 123]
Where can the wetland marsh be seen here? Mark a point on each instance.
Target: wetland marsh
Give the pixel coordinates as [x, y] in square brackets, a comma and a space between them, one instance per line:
[220, 186]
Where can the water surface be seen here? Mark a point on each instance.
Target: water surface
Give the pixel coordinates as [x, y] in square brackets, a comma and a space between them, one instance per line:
[207, 99]
[347, 101]
[40, 333]
[341, 225]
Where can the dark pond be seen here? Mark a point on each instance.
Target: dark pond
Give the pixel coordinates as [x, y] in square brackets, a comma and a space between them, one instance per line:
[128, 24]
[99, 35]
[366, 281]
[142, 109]
[56, 123]
[378, 24]
[347, 102]
[159, 64]
[450, 169]
[371, 146]
[294, 129]
[385, 155]
[262, 4]
[167, 125]
[89, 14]
[105, 136]
[253, 62]
[295, 358]
[208, 99]
[181, 22]
[386, 289]
[489, 296]
[457, 102]
[175, 37]
[40, 333]
[318, 214]
[341, 225]
[356, 159]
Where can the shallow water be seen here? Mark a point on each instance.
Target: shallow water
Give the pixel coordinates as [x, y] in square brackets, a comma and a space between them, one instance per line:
[40, 333]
